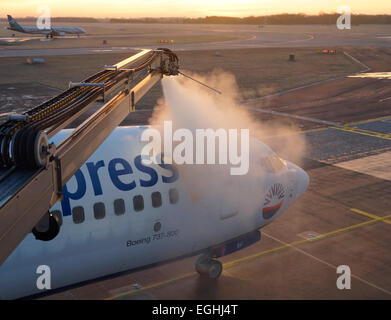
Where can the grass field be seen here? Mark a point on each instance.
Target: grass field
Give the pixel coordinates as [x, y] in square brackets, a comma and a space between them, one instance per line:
[259, 72]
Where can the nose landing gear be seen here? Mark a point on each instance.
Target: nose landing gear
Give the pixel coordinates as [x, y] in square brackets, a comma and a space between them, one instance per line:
[208, 267]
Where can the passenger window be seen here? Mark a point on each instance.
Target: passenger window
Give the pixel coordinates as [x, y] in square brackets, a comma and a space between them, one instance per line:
[99, 210]
[173, 196]
[156, 199]
[138, 203]
[78, 214]
[57, 214]
[119, 207]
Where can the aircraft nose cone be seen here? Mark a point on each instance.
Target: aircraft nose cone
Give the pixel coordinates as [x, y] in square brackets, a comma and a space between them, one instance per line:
[303, 180]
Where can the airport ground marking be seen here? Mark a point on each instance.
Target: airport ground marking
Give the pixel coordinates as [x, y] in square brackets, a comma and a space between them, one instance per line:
[299, 242]
[280, 93]
[363, 132]
[328, 264]
[289, 133]
[370, 215]
[350, 129]
[359, 130]
[346, 127]
[255, 256]
[152, 286]
[366, 68]
[368, 120]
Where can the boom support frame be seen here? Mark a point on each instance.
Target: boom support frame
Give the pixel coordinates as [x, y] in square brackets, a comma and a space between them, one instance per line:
[23, 208]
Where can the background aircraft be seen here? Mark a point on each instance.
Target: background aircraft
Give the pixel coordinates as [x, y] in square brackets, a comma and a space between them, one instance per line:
[118, 214]
[50, 33]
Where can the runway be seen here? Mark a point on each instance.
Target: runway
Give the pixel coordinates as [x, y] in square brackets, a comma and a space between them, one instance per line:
[252, 38]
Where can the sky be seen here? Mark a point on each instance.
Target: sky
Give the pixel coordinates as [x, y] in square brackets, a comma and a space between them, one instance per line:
[185, 8]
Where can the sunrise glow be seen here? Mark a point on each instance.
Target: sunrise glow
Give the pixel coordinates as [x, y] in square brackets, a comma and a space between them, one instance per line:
[186, 8]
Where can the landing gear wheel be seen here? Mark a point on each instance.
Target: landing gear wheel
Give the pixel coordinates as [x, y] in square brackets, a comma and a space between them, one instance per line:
[208, 267]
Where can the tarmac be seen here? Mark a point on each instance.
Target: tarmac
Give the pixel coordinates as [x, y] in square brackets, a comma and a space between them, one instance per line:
[252, 38]
[344, 218]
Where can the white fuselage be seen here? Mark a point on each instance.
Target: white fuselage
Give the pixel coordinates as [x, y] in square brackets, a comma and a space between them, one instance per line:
[54, 30]
[48, 31]
[118, 233]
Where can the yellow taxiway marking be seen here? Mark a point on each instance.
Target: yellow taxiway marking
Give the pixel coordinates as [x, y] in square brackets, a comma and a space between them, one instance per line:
[370, 215]
[155, 285]
[260, 254]
[364, 132]
[347, 127]
[369, 120]
[289, 132]
[374, 75]
[296, 243]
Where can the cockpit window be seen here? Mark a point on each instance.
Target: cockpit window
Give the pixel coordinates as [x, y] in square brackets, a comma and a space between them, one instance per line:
[273, 164]
[277, 163]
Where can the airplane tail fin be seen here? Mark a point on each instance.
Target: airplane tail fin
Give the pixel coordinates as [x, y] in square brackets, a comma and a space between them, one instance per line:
[14, 25]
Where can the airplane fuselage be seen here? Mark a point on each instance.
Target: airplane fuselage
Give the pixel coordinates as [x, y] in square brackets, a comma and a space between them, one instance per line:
[52, 31]
[57, 30]
[119, 214]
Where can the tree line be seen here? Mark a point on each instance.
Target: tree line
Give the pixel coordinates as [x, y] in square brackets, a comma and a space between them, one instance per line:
[284, 18]
[322, 18]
